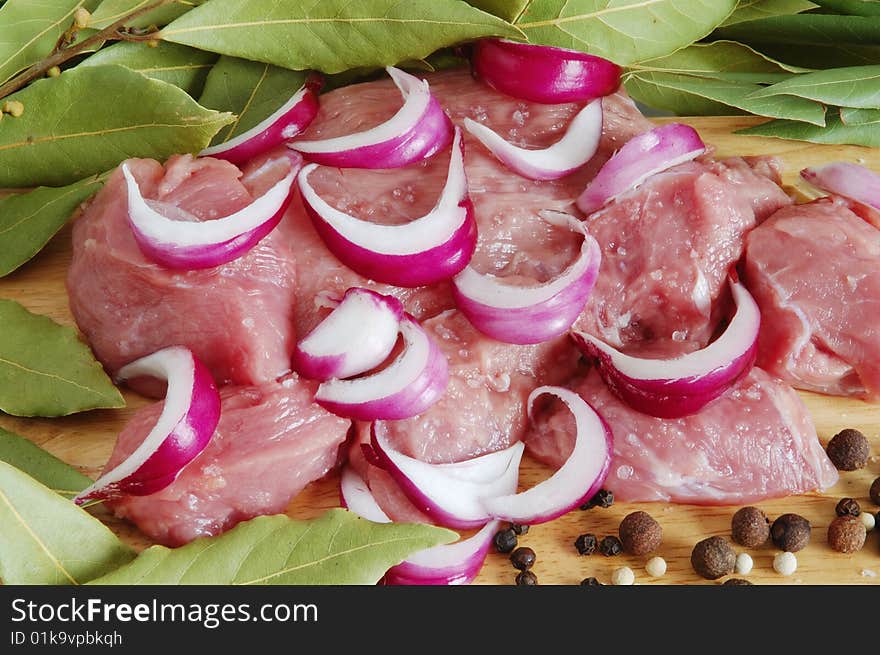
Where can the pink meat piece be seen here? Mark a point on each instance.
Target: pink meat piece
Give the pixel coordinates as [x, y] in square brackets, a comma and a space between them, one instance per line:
[272, 440]
[815, 271]
[755, 442]
[235, 317]
[667, 247]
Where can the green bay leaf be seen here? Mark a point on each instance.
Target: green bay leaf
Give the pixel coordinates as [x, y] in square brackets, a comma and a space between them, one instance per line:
[46, 539]
[835, 131]
[852, 7]
[92, 117]
[60, 477]
[249, 89]
[850, 116]
[805, 29]
[45, 370]
[184, 67]
[754, 9]
[29, 220]
[333, 35]
[509, 10]
[624, 31]
[855, 86]
[338, 548]
[111, 11]
[820, 57]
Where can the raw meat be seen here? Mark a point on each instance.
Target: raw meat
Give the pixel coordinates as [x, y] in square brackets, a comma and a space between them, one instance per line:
[755, 442]
[815, 271]
[272, 440]
[235, 317]
[667, 247]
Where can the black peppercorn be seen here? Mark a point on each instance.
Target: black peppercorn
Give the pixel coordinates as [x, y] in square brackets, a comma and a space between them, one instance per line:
[848, 450]
[505, 540]
[519, 528]
[610, 546]
[736, 582]
[848, 507]
[526, 578]
[640, 534]
[875, 492]
[713, 558]
[585, 544]
[750, 527]
[591, 582]
[790, 532]
[603, 498]
[523, 558]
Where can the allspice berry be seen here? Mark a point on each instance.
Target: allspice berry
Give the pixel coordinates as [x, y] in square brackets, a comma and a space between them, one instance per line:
[848, 450]
[713, 558]
[736, 582]
[790, 532]
[846, 534]
[750, 527]
[640, 534]
[875, 492]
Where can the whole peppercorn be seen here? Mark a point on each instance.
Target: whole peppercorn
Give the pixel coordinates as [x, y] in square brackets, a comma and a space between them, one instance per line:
[713, 558]
[640, 534]
[603, 499]
[736, 582]
[591, 582]
[585, 544]
[519, 528]
[848, 450]
[523, 558]
[846, 534]
[505, 540]
[610, 546]
[526, 578]
[848, 507]
[750, 527]
[790, 532]
[875, 492]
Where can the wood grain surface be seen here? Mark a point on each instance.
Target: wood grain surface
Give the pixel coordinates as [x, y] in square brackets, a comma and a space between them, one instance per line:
[86, 440]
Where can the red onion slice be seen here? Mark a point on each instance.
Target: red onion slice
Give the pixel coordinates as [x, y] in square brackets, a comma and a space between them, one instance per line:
[671, 388]
[641, 157]
[191, 244]
[355, 337]
[524, 315]
[576, 147]
[357, 497]
[185, 426]
[417, 131]
[542, 73]
[285, 123]
[579, 478]
[848, 180]
[451, 494]
[414, 381]
[426, 250]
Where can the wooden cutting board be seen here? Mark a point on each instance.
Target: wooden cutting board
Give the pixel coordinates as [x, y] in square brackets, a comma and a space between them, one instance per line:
[87, 439]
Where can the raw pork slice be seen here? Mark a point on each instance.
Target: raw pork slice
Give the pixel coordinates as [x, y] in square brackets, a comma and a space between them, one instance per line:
[235, 317]
[815, 271]
[667, 247]
[753, 443]
[272, 440]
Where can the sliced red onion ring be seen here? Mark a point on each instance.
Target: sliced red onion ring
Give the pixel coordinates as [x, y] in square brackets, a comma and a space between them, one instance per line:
[418, 130]
[533, 314]
[285, 123]
[848, 180]
[577, 480]
[641, 157]
[577, 146]
[670, 388]
[543, 73]
[426, 250]
[451, 564]
[355, 337]
[451, 494]
[185, 426]
[414, 381]
[191, 244]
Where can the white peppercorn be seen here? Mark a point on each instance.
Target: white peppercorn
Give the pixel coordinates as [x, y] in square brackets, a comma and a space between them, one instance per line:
[623, 576]
[785, 563]
[744, 564]
[656, 567]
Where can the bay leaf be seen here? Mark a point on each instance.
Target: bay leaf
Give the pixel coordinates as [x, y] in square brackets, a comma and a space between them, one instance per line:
[835, 131]
[251, 90]
[731, 94]
[624, 31]
[338, 548]
[60, 477]
[851, 116]
[184, 67]
[29, 30]
[29, 220]
[852, 7]
[509, 10]
[855, 86]
[92, 117]
[45, 370]
[333, 35]
[110, 11]
[821, 57]
[754, 9]
[46, 539]
[805, 29]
